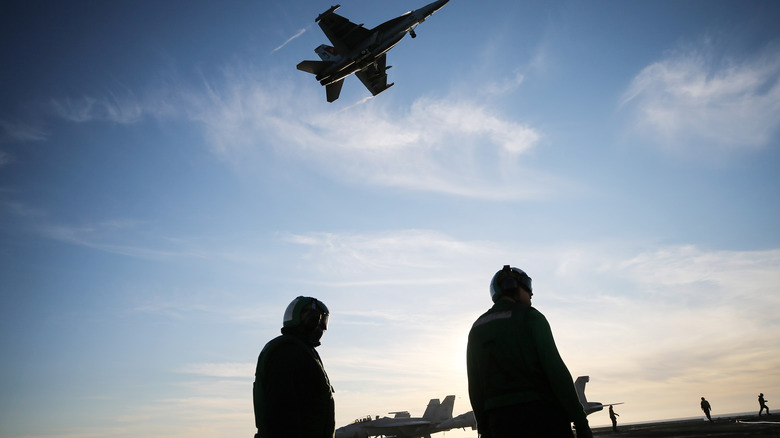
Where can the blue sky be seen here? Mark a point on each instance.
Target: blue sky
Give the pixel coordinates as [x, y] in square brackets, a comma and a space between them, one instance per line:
[169, 182]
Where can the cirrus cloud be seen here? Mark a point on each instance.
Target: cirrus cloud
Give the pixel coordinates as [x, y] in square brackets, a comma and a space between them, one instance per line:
[691, 103]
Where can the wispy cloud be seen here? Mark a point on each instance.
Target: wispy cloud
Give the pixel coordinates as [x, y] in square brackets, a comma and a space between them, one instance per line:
[115, 236]
[692, 103]
[451, 145]
[19, 131]
[122, 105]
[5, 158]
[505, 86]
[347, 253]
[86, 109]
[242, 370]
[300, 32]
[446, 145]
[23, 210]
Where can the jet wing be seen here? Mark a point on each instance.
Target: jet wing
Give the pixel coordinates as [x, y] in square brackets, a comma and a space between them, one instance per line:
[345, 35]
[396, 426]
[374, 77]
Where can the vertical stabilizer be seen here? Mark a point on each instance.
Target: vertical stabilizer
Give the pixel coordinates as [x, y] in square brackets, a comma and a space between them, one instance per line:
[438, 412]
[589, 407]
[445, 410]
[579, 384]
[327, 53]
[432, 409]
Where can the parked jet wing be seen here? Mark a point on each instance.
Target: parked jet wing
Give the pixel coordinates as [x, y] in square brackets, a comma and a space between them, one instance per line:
[395, 426]
[342, 33]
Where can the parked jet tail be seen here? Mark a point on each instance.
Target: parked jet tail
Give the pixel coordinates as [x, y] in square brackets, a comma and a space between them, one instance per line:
[589, 407]
[437, 412]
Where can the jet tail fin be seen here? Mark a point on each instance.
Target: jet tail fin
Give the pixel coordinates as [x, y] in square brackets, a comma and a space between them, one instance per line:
[433, 407]
[589, 407]
[579, 385]
[327, 53]
[333, 90]
[437, 412]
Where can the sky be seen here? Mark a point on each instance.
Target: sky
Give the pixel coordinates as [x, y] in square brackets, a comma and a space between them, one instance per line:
[169, 182]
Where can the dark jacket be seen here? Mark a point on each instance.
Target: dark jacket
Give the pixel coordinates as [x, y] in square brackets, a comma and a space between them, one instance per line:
[512, 360]
[292, 394]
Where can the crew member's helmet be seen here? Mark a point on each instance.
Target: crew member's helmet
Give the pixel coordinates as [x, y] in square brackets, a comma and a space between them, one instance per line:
[507, 280]
[306, 312]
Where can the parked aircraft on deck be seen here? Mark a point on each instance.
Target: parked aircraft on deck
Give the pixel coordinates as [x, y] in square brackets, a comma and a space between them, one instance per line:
[437, 418]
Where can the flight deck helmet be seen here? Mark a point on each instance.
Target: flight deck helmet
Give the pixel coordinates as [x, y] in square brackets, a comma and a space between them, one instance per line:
[306, 312]
[507, 280]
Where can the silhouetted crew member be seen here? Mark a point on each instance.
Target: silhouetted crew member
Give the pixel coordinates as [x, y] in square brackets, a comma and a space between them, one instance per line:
[705, 406]
[613, 416]
[762, 404]
[292, 394]
[518, 383]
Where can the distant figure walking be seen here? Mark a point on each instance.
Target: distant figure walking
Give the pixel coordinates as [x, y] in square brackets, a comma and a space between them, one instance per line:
[613, 416]
[762, 404]
[705, 406]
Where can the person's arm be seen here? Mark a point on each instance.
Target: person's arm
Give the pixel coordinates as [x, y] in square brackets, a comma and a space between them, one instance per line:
[476, 390]
[558, 374]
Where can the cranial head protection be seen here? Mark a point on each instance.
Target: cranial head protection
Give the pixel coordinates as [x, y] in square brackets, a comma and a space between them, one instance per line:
[507, 280]
[307, 313]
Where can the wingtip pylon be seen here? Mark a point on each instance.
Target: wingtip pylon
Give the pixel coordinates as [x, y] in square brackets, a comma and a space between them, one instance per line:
[326, 13]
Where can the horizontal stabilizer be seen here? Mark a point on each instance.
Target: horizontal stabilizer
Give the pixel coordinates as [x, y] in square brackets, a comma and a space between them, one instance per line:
[384, 89]
[333, 90]
[313, 67]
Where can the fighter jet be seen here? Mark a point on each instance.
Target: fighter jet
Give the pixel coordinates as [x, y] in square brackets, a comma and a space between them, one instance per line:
[359, 50]
[462, 421]
[403, 425]
[590, 407]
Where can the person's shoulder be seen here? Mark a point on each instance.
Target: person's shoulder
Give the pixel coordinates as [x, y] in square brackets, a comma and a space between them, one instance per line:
[497, 312]
[285, 344]
[489, 311]
[535, 314]
[535, 317]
